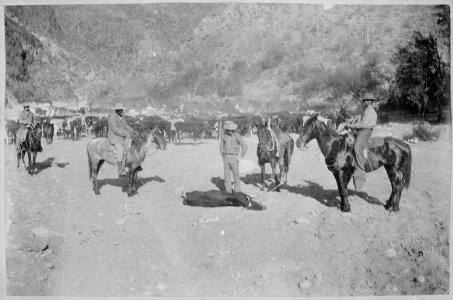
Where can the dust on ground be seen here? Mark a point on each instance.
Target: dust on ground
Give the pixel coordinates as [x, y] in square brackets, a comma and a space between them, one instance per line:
[62, 240]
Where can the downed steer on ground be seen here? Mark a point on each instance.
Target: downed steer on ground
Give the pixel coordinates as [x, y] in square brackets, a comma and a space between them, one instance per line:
[216, 198]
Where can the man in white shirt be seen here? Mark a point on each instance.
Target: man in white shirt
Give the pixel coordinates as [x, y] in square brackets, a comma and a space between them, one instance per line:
[364, 125]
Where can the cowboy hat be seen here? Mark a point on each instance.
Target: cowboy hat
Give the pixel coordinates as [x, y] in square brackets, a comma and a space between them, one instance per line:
[369, 97]
[230, 125]
[26, 105]
[119, 106]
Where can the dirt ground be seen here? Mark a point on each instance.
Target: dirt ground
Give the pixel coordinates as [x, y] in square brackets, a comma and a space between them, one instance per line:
[62, 240]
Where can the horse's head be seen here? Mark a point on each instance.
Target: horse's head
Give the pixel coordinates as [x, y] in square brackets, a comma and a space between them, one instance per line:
[34, 137]
[250, 204]
[265, 140]
[156, 137]
[37, 132]
[307, 132]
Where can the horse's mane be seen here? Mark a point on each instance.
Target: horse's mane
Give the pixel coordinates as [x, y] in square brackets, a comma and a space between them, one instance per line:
[330, 129]
[142, 136]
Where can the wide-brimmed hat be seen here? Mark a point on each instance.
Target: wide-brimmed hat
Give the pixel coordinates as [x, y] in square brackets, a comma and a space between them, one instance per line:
[230, 125]
[369, 97]
[26, 105]
[119, 106]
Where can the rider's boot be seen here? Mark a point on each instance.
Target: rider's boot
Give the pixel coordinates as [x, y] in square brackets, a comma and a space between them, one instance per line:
[359, 178]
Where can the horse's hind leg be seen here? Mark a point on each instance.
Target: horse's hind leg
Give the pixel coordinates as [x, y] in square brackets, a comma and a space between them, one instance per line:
[22, 155]
[397, 182]
[94, 174]
[263, 171]
[19, 158]
[275, 175]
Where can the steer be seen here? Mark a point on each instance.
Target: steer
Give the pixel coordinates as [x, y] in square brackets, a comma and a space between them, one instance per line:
[216, 198]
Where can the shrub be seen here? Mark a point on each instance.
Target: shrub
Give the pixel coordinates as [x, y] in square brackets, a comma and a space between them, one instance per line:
[424, 132]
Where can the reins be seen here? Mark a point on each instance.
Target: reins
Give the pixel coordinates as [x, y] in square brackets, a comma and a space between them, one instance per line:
[33, 134]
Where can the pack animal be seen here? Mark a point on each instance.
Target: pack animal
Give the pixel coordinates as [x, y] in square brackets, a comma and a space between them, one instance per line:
[276, 148]
[48, 132]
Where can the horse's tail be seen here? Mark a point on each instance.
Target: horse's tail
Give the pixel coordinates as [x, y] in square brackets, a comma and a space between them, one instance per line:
[90, 167]
[289, 151]
[407, 168]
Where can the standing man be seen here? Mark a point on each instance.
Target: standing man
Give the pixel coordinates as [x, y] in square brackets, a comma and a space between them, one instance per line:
[364, 125]
[231, 144]
[119, 135]
[27, 120]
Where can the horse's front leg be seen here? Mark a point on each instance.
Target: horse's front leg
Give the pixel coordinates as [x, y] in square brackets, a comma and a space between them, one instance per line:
[19, 158]
[343, 190]
[34, 160]
[263, 171]
[130, 182]
[23, 158]
[275, 175]
[29, 162]
[134, 181]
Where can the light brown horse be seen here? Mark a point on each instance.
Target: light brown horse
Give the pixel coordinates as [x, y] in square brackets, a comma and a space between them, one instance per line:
[100, 150]
[267, 152]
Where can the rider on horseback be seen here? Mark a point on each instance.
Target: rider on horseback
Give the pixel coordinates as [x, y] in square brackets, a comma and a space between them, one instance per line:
[364, 125]
[119, 135]
[27, 121]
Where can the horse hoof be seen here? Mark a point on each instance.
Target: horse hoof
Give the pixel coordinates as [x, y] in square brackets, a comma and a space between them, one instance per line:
[393, 209]
[345, 209]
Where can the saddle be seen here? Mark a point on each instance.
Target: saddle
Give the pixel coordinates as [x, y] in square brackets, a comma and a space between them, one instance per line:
[373, 142]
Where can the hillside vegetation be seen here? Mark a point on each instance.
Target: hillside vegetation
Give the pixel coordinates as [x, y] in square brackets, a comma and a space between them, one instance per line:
[209, 56]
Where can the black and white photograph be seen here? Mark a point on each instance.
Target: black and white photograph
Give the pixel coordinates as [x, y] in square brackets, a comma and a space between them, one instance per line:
[226, 149]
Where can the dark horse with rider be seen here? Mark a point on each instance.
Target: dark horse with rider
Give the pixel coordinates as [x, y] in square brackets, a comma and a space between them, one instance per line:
[355, 153]
[28, 138]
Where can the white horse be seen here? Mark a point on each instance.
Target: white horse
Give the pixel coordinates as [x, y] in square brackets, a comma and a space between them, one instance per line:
[57, 125]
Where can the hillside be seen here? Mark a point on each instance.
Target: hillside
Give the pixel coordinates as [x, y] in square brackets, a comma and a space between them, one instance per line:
[210, 56]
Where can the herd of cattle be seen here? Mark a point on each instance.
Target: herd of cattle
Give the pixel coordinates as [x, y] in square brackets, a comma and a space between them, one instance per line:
[186, 125]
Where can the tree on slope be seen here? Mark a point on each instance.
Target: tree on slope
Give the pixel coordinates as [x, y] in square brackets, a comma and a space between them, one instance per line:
[421, 77]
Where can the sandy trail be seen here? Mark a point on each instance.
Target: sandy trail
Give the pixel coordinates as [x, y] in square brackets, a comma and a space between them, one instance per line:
[153, 245]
